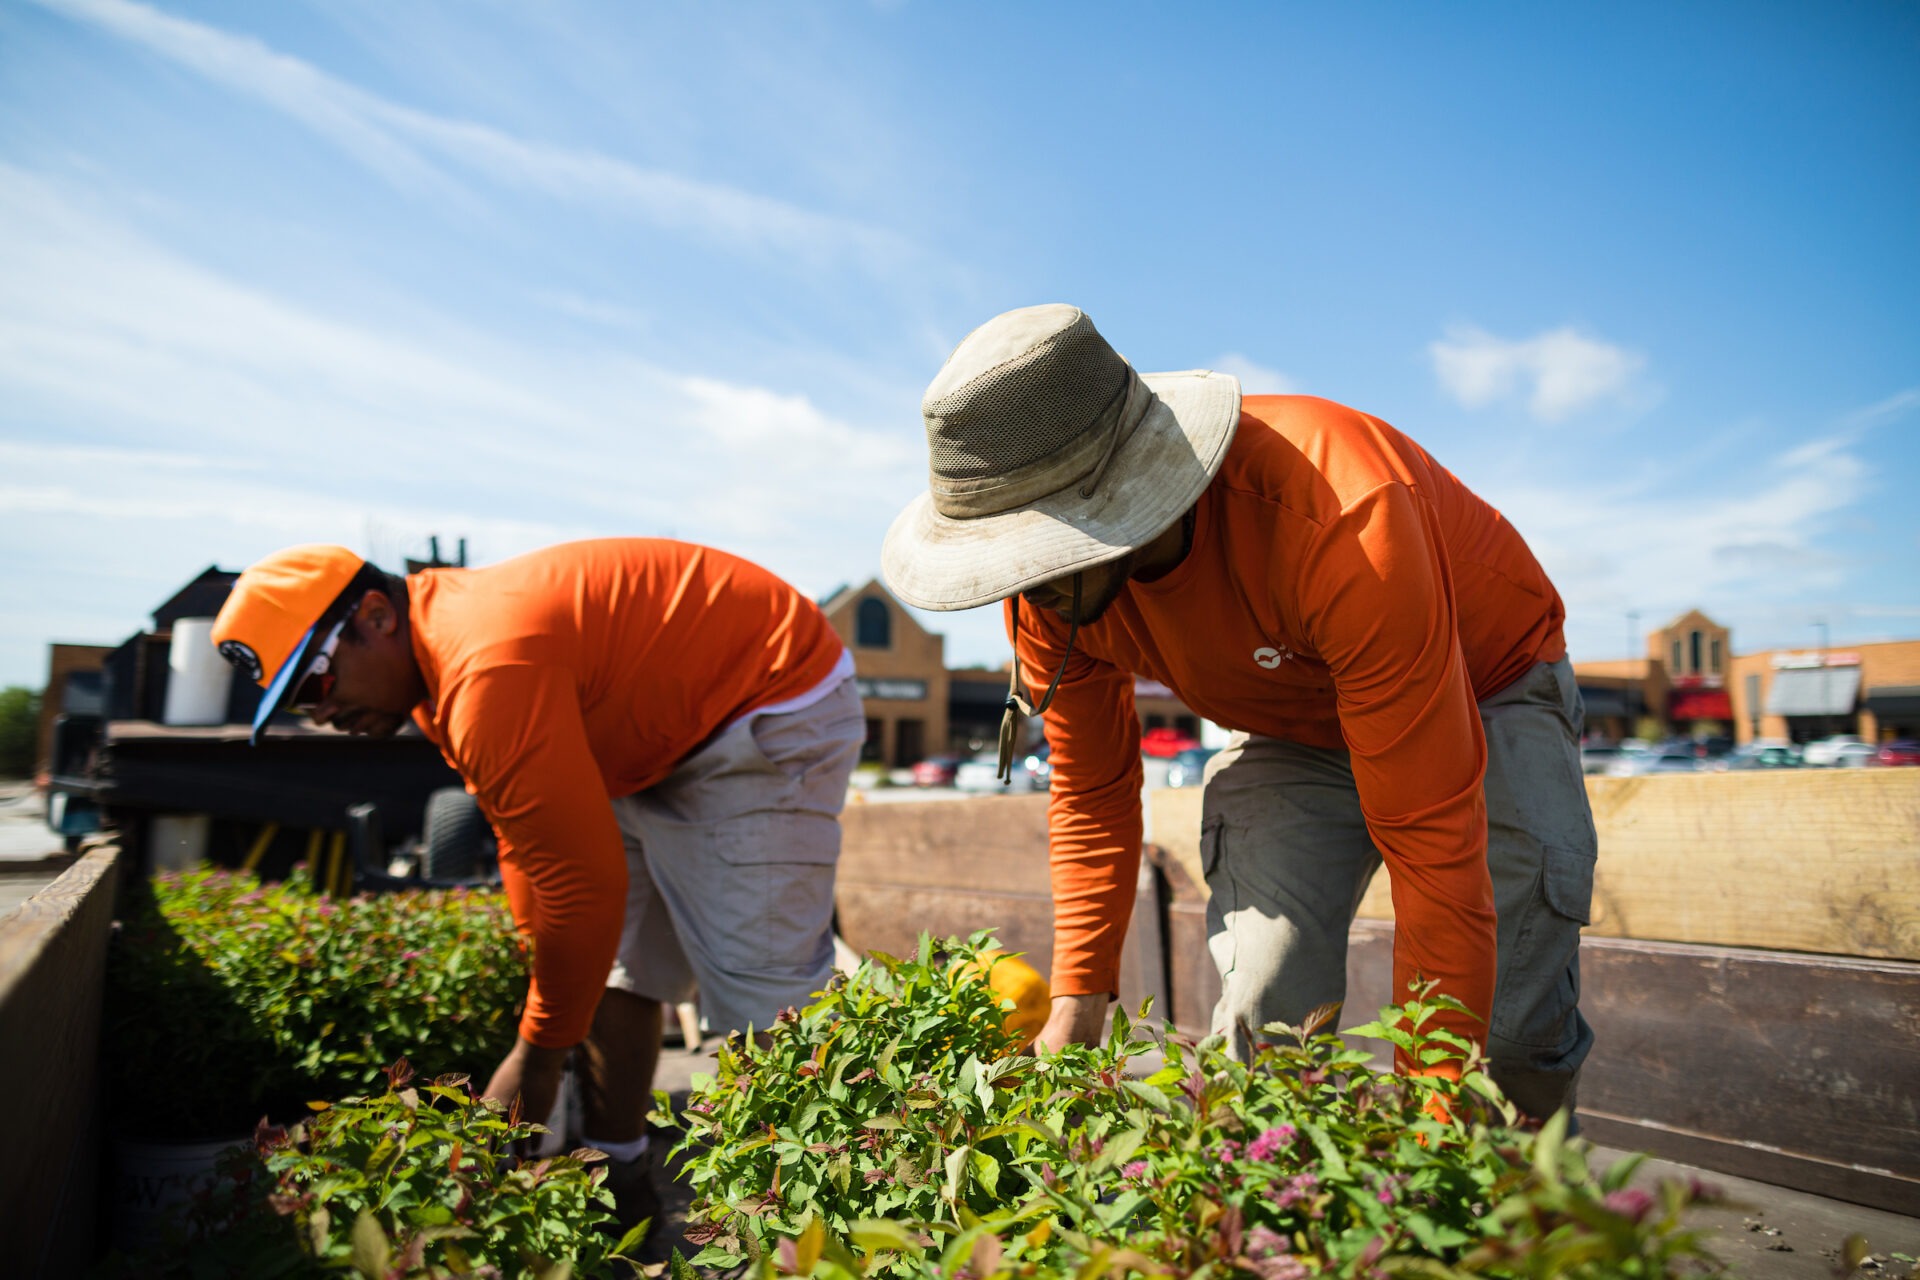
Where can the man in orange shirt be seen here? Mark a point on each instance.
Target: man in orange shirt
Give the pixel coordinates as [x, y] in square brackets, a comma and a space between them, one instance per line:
[1383, 643]
[661, 735]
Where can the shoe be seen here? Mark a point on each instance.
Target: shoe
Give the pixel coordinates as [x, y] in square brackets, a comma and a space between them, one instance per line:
[635, 1197]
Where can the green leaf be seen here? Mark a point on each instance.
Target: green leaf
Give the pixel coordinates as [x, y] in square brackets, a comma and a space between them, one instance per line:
[372, 1255]
[874, 1234]
[1148, 1094]
[1119, 1149]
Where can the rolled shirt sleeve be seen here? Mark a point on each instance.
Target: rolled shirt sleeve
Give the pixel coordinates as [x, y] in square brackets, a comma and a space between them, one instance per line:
[515, 732]
[1377, 599]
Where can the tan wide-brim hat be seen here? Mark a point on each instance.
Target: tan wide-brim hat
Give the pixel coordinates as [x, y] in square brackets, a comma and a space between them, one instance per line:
[1049, 454]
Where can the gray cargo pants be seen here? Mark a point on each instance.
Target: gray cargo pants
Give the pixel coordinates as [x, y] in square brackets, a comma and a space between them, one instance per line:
[1287, 860]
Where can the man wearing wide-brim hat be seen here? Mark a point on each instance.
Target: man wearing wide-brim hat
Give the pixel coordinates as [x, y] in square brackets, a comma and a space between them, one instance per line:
[1382, 642]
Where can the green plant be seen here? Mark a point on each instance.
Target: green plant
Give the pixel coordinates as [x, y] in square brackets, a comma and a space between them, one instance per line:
[417, 1182]
[885, 1125]
[227, 998]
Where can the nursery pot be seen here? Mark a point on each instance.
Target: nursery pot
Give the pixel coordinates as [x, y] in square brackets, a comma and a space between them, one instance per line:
[152, 1181]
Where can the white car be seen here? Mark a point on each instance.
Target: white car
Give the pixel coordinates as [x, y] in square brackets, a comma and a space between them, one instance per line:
[1826, 752]
[981, 776]
[1854, 755]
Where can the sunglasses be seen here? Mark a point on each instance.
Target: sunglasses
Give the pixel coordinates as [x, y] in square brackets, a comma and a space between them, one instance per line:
[317, 684]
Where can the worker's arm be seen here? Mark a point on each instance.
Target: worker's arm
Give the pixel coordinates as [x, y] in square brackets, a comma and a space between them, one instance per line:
[1377, 600]
[515, 731]
[1093, 822]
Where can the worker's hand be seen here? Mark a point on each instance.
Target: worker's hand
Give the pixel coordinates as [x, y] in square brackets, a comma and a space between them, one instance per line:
[1074, 1020]
[532, 1072]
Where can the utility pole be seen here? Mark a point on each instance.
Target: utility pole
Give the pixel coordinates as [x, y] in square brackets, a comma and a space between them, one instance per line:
[1826, 680]
[1633, 633]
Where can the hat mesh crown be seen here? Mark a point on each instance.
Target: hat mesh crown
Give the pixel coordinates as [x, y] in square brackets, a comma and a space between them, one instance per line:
[1025, 409]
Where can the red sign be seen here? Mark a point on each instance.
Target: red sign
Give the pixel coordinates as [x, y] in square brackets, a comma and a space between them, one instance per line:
[1700, 704]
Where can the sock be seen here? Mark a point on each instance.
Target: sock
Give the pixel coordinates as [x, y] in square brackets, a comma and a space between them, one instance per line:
[624, 1152]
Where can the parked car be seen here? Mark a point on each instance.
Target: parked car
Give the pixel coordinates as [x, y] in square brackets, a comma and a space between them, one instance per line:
[1189, 768]
[1763, 755]
[1039, 762]
[1680, 757]
[1166, 743]
[1854, 755]
[1634, 757]
[936, 771]
[1826, 752]
[1597, 757]
[981, 776]
[1898, 753]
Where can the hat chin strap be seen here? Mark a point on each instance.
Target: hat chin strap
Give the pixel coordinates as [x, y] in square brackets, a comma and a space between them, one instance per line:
[1018, 708]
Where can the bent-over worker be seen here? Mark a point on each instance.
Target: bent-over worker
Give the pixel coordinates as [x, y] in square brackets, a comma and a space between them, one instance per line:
[661, 735]
[1382, 641]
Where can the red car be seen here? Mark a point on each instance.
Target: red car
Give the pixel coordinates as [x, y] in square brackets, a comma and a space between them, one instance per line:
[1898, 753]
[936, 771]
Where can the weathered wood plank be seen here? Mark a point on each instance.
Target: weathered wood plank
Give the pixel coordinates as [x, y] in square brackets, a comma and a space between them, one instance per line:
[53, 952]
[1799, 1070]
[1823, 861]
[997, 841]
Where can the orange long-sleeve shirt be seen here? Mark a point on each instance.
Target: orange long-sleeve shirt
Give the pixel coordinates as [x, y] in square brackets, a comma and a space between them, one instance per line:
[572, 675]
[1342, 589]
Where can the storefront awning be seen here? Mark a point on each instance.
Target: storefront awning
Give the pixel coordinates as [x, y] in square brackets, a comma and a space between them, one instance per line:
[1700, 704]
[1894, 701]
[1813, 691]
[1603, 702]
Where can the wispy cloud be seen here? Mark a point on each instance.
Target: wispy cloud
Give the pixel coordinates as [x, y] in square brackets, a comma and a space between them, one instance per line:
[282, 423]
[1557, 373]
[1255, 379]
[426, 154]
[1743, 551]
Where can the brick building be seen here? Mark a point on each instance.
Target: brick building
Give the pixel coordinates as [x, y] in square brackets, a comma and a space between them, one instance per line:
[916, 707]
[1692, 683]
[901, 670]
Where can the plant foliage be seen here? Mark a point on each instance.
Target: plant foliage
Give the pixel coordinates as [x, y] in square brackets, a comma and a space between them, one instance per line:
[885, 1130]
[417, 1182]
[228, 999]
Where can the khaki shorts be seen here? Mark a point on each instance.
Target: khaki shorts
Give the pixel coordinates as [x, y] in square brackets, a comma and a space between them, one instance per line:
[730, 864]
[1288, 858]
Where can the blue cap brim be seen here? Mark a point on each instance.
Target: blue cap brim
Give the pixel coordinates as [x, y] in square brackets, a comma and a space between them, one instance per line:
[277, 691]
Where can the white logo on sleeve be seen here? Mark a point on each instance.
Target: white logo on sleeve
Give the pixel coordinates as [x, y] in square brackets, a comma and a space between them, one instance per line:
[1271, 658]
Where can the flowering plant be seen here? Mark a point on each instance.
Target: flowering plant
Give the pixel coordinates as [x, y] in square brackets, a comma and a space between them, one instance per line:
[878, 1132]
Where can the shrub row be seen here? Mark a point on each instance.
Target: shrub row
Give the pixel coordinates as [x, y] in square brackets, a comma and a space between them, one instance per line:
[228, 999]
[887, 1130]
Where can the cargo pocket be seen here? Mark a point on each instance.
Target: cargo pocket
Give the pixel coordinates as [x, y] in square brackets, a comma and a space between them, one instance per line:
[1568, 881]
[1538, 985]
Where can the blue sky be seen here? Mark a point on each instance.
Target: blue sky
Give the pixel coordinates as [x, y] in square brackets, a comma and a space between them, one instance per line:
[1642, 275]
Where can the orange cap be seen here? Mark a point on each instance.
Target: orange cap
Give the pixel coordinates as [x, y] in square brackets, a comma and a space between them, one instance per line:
[268, 623]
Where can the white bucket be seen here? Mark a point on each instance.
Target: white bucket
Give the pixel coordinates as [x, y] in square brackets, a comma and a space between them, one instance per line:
[178, 841]
[198, 678]
[153, 1181]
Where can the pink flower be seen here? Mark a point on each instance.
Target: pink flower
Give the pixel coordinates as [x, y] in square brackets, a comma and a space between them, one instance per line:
[1630, 1203]
[1271, 1143]
[1295, 1190]
[1136, 1170]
